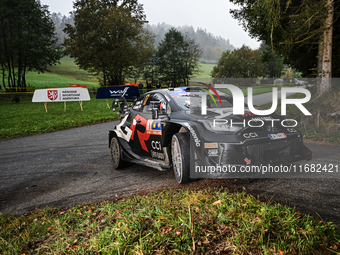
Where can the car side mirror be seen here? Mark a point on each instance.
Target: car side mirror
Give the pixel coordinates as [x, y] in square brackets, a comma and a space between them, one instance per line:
[155, 113]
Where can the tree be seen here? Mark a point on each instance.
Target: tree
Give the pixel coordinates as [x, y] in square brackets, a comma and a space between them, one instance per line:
[108, 38]
[240, 63]
[191, 54]
[300, 30]
[27, 41]
[178, 57]
[273, 64]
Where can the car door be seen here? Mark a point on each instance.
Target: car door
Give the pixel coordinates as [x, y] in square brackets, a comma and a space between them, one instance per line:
[146, 133]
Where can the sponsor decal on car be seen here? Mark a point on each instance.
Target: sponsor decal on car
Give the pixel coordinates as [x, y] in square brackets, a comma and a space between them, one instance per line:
[142, 137]
[250, 135]
[248, 161]
[123, 131]
[292, 130]
[154, 127]
[156, 145]
[213, 152]
[210, 145]
[158, 155]
[193, 133]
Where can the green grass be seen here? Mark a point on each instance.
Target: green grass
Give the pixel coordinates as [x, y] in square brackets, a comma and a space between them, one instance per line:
[51, 80]
[206, 70]
[27, 118]
[61, 75]
[170, 222]
[69, 69]
[67, 72]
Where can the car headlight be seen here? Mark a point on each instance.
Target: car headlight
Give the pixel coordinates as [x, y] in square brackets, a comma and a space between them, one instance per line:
[221, 126]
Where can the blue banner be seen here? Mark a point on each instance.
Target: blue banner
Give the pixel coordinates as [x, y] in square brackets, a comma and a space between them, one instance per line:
[117, 91]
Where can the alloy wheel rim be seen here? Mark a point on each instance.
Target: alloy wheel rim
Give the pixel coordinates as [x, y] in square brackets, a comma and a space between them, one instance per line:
[176, 160]
[115, 151]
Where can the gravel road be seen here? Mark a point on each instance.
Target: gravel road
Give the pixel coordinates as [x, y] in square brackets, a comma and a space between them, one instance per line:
[70, 167]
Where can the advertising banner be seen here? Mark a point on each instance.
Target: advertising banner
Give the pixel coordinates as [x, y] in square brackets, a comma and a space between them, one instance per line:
[61, 94]
[127, 91]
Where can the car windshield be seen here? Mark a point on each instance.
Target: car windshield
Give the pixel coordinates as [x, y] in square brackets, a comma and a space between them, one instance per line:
[193, 99]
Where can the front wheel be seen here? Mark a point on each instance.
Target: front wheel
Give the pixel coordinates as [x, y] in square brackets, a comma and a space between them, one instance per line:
[115, 154]
[180, 149]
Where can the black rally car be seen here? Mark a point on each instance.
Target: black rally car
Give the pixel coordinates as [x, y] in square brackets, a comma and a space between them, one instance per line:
[165, 128]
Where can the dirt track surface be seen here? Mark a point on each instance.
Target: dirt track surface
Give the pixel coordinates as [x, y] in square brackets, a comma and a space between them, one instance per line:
[70, 167]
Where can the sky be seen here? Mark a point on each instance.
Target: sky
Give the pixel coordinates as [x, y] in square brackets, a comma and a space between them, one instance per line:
[212, 15]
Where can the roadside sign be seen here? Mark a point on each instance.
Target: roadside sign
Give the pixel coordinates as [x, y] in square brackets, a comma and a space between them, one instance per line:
[129, 90]
[67, 94]
[61, 94]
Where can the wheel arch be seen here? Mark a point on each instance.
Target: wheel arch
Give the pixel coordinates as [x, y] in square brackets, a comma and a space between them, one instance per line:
[112, 133]
[171, 129]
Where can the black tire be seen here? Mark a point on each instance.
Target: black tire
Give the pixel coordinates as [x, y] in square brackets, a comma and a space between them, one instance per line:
[180, 154]
[116, 154]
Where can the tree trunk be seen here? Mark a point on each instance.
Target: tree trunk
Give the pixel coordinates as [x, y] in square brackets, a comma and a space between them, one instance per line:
[327, 49]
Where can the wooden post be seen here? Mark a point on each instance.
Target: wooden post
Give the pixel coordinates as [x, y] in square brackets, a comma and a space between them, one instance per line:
[107, 103]
[64, 106]
[81, 105]
[45, 104]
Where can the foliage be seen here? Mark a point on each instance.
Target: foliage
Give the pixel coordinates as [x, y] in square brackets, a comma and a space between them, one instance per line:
[178, 58]
[293, 28]
[170, 222]
[27, 41]
[108, 38]
[212, 46]
[149, 70]
[60, 22]
[273, 63]
[241, 63]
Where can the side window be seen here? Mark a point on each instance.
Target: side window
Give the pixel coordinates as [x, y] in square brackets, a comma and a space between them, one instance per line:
[138, 104]
[164, 105]
[147, 106]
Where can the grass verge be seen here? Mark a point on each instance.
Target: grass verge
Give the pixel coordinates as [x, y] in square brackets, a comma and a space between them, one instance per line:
[27, 118]
[170, 222]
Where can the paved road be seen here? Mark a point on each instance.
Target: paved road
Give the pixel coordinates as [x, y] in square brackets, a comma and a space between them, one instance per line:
[73, 166]
[65, 168]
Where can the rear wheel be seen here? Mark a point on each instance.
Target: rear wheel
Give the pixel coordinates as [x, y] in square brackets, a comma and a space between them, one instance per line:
[116, 154]
[180, 149]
